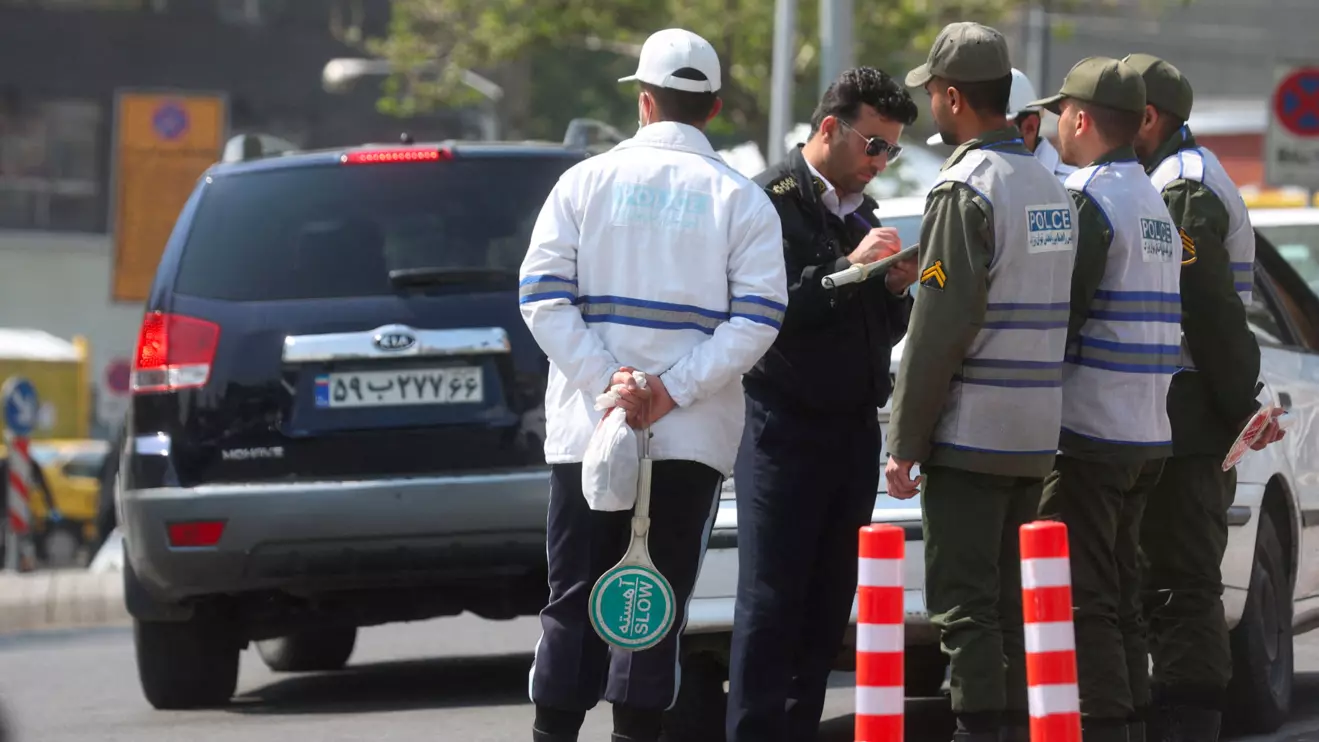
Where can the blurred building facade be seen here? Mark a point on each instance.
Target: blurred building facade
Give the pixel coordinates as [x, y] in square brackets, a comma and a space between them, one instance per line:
[62, 63]
[1228, 49]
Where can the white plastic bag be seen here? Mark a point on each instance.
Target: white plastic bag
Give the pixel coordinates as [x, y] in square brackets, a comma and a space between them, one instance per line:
[613, 456]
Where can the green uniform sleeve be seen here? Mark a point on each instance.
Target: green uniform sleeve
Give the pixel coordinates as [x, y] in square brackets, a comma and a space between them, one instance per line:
[1095, 237]
[957, 244]
[1213, 318]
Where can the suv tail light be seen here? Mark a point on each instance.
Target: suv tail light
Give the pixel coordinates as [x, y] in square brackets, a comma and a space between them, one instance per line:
[173, 352]
[406, 154]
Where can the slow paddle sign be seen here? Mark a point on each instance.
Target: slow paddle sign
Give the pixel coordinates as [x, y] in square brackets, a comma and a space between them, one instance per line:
[632, 607]
[632, 604]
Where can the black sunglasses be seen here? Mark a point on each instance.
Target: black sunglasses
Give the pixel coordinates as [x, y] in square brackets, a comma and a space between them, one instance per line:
[874, 145]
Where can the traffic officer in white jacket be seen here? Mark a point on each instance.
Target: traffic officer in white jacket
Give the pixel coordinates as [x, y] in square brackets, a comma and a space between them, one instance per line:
[655, 256]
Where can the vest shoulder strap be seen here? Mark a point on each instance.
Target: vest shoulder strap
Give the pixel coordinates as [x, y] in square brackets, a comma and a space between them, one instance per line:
[1188, 164]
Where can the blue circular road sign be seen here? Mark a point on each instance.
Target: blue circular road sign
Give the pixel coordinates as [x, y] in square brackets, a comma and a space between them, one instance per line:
[21, 405]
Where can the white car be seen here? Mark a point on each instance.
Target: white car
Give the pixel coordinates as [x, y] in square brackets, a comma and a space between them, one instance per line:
[1270, 570]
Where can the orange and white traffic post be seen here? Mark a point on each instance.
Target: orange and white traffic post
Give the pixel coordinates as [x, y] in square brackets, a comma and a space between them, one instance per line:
[1046, 597]
[880, 637]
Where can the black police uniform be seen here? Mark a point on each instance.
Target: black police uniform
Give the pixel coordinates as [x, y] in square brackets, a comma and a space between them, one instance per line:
[807, 471]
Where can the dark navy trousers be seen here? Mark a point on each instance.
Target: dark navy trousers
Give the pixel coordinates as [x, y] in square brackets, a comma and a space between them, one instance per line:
[574, 668]
[805, 486]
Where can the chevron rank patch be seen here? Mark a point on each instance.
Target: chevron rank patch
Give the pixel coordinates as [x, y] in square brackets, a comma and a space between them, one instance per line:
[934, 276]
[783, 186]
[1188, 247]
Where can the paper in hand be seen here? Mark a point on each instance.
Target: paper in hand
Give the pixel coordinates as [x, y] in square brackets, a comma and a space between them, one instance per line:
[1249, 434]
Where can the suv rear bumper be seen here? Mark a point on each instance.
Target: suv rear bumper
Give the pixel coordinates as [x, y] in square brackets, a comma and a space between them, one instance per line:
[315, 537]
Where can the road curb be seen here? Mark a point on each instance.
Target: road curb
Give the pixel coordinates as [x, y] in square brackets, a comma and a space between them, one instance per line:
[61, 599]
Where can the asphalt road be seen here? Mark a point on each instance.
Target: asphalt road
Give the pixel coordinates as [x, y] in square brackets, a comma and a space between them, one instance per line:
[450, 679]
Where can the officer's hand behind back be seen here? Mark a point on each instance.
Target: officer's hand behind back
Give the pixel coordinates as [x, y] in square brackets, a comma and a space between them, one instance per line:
[880, 243]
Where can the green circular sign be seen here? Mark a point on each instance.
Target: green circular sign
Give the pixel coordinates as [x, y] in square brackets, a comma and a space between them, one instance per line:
[632, 607]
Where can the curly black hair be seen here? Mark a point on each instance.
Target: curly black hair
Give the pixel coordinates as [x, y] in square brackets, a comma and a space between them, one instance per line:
[865, 85]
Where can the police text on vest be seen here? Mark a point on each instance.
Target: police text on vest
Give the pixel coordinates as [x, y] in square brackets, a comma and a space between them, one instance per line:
[1049, 227]
[1156, 240]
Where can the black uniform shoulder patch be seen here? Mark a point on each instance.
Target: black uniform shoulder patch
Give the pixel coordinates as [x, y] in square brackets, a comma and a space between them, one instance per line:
[934, 277]
[782, 186]
[1188, 247]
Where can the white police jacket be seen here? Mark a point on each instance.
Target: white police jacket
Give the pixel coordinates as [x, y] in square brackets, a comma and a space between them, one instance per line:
[659, 256]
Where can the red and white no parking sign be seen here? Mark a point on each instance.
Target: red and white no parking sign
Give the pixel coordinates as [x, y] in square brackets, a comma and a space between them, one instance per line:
[1291, 156]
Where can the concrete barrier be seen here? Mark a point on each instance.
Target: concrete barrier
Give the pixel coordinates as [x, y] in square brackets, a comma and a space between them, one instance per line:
[61, 599]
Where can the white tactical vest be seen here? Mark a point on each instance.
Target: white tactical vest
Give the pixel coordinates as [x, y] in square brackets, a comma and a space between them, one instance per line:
[1200, 165]
[1007, 396]
[1115, 380]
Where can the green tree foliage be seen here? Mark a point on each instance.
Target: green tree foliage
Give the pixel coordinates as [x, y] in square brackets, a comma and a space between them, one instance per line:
[579, 48]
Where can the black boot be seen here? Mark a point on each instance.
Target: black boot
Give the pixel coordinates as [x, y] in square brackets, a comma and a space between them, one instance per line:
[1186, 724]
[556, 725]
[637, 725]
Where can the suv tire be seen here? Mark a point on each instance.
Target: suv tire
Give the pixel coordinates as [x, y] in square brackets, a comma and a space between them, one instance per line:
[186, 664]
[310, 650]
[1262, 651]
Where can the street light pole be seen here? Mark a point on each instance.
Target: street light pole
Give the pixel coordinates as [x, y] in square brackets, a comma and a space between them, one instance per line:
[780, 99]
[836, 42]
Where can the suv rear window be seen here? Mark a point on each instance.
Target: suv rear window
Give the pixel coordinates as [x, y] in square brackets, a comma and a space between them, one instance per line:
[335, 231]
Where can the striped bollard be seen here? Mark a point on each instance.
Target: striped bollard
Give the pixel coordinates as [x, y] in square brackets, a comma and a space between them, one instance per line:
[19, 556]
[879, 635]
[1046, 601]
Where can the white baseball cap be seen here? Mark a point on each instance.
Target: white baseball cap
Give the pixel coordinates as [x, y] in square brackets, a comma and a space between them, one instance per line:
[1019, 100]
[673, 49]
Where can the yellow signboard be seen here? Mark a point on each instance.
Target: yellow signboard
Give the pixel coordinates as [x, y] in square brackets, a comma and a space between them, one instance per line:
[163, 143]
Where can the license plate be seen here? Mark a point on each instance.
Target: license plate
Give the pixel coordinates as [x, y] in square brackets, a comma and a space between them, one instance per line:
[452, 385]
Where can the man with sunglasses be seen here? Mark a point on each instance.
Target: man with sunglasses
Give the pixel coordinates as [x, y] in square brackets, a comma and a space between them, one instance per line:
[808, 467]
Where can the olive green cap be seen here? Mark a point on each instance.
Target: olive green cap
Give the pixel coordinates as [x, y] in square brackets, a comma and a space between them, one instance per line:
[964, 52]
[1101, 80]
[1165, 87]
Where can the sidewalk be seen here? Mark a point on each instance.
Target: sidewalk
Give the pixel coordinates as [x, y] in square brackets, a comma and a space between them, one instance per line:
[65, 598]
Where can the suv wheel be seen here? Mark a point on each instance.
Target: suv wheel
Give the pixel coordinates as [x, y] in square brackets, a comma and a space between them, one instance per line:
[1262, 652]
[310, 650]
[186, 664]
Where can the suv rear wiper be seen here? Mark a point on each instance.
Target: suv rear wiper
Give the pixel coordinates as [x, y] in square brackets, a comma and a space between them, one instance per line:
[436, 276]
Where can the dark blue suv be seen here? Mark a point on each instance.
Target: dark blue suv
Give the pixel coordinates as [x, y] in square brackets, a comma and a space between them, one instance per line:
[337, 412]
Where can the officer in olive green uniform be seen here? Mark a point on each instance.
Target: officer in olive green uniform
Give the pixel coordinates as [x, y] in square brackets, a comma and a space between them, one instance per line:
[1185, 530]
[979, 392]
[1122, 352]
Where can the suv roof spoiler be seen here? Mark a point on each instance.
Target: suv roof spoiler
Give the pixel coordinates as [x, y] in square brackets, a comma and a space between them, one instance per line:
[248, 147]
[579, 135]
